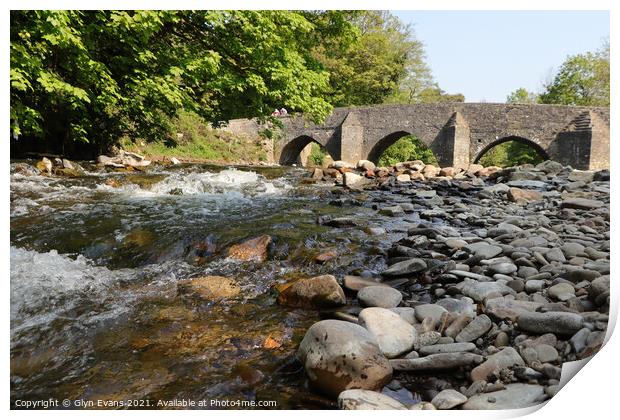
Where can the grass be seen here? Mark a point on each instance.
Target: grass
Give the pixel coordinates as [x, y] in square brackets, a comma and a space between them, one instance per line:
[198, 142]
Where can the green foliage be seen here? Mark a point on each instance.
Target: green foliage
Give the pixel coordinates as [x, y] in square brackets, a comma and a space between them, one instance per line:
[95, 76]
[317, 155]
[510, 153]
[406, 149]
[583, 79]
[521, 96]
[194, 139]
[368, 67]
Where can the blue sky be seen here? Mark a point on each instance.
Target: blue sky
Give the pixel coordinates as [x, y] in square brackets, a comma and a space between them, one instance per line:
[485, 55]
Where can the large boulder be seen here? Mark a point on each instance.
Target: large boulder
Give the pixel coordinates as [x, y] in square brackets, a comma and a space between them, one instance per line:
[340, 355]
[316, 292]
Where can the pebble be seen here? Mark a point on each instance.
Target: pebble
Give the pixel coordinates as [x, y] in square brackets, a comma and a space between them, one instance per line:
[475, 329]
[514, 396]
[563, 323]
[404, 268]
[447, 399]
[360, 399]
[447, 348]
[505, 358]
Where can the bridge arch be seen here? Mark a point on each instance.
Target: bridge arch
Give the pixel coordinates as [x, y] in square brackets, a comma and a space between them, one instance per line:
[380, 146]
[291, 151]
[539, 149]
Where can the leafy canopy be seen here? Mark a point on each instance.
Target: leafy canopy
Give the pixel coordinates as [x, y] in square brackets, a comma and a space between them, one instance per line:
[94, 76]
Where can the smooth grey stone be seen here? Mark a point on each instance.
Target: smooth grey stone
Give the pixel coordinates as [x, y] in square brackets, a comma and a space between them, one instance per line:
[362, 399]
[381, 296]
[447, 348]
[505, 358]
[394, 335]
[516, 395]
[475, 329]
[563, 323]
[483, 249]
[447, 399]
[440, 361]
[403, 268]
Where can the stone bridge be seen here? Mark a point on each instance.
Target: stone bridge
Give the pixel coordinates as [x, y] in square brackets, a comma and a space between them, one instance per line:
[457, 133]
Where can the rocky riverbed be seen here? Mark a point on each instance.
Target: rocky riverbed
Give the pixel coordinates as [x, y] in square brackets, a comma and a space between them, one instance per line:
[411, 287]
[500, 277]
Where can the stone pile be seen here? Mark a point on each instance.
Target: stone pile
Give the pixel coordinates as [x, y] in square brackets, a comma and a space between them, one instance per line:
[502, 276]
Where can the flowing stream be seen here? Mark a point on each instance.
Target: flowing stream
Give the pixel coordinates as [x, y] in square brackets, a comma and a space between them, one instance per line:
[95, 262]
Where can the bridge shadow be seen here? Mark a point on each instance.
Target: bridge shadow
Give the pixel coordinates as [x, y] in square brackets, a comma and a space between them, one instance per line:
[537, 148]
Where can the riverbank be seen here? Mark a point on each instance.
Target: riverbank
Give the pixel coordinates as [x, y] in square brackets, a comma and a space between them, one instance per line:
[458, 288]
[499, 278]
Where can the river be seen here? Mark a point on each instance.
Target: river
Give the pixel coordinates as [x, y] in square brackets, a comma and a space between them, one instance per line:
[95, 262]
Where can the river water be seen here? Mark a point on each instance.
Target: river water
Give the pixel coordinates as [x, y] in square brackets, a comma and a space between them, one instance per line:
[95, 262]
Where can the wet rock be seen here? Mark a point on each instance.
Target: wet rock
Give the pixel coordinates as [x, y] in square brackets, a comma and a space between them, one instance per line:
[210, 287]
[339, 355]
[440, 361]
[447, 399]
[394, 335]
[325, 256]
[475, 329]
[340, 222]
[392, 211]
[404, 268]
[506, 358]
[563, 323]
[255, 249]
[45, 166]
[380, 296]
[316, 292]
[25, 169]
[514, 396]
[359, 399]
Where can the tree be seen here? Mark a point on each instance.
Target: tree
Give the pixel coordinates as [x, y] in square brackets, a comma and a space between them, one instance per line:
[406, 149]
[369, 67]
[521, 96]
[91, 77]
[583, 79]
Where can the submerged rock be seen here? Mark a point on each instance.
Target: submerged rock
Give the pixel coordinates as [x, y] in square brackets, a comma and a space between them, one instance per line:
[210, 287]
[316, 292]
[255, 249]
